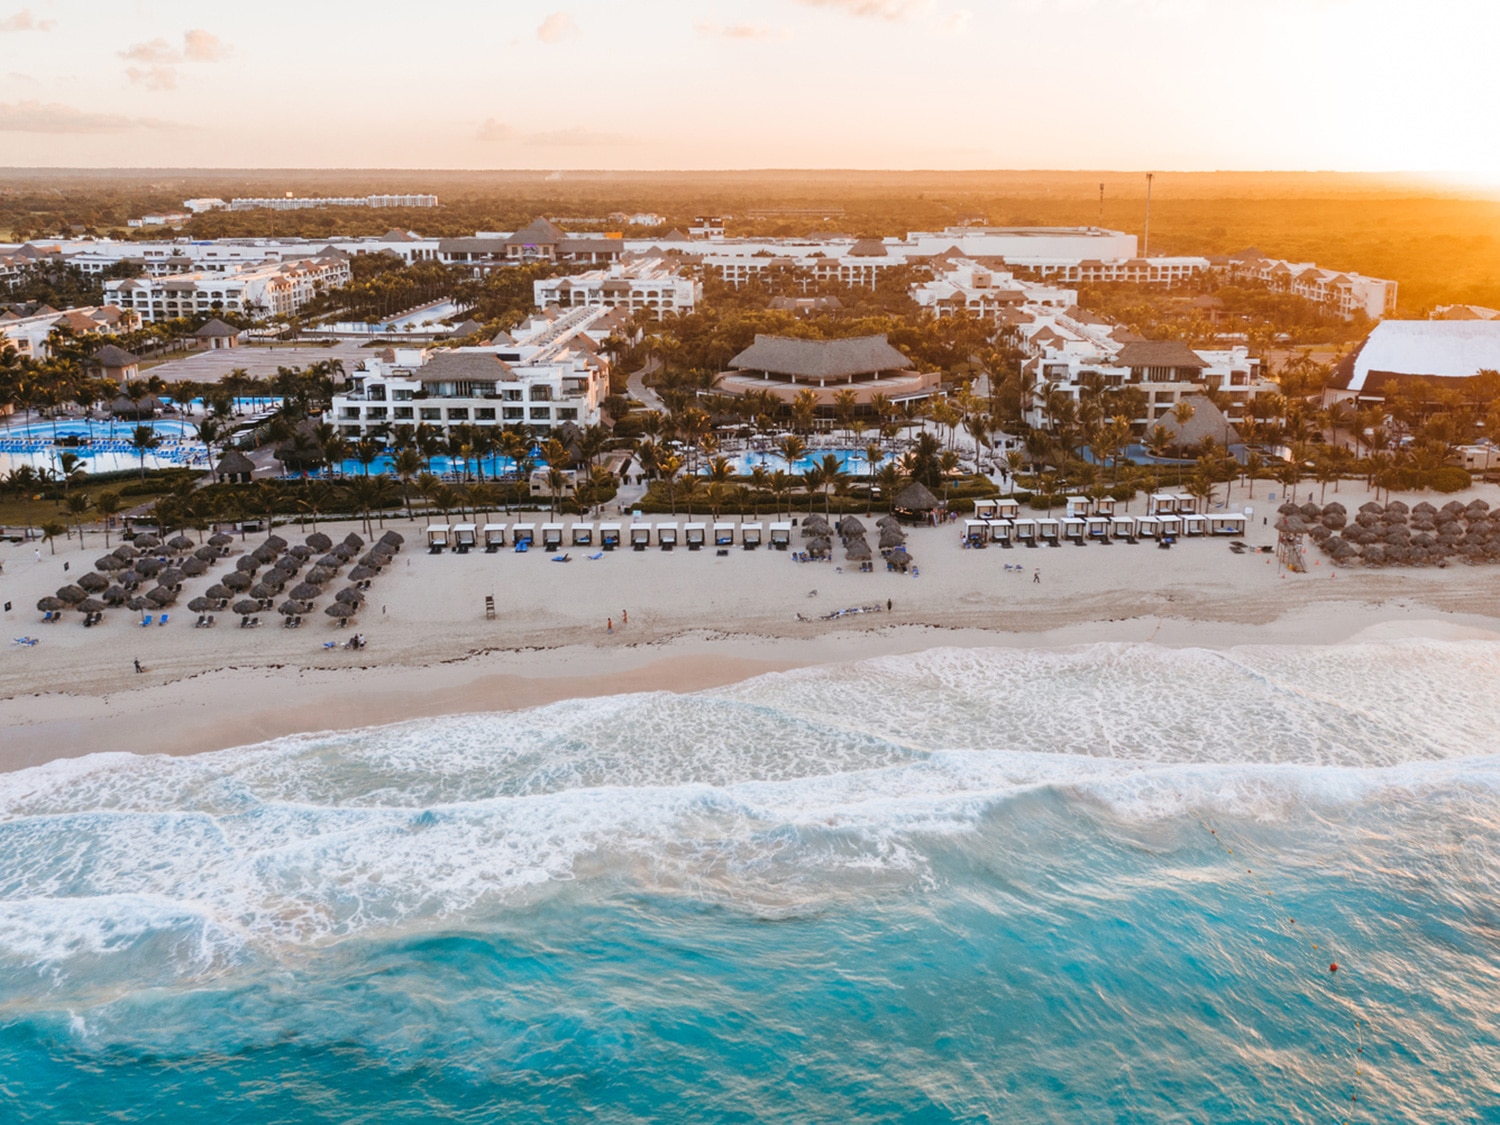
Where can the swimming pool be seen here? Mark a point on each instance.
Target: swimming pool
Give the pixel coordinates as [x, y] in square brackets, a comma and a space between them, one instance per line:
[851, 461]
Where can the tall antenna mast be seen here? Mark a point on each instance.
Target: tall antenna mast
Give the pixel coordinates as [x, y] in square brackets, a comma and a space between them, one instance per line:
[1147, 252]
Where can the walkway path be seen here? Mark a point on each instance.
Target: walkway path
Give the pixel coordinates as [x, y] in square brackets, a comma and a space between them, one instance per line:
[636, 385]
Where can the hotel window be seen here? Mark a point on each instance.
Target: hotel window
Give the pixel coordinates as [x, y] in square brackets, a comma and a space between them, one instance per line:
[431, 414]
[484, 414]
[458, 414]
[567, 414]
[375, 412]
[541, 414]
[404, 412]
[515, 413]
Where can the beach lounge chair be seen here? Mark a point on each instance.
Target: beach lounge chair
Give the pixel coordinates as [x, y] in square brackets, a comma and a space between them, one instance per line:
[145, 620]
[163, 620]
[330, 644]
[211, 621]
[596, 556]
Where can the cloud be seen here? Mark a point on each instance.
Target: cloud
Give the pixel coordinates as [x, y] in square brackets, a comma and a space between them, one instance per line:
[741, 31]
[873, 9]
[557, 27]
[53, 117]
[25, 21]
[492, 130]
[159, 60]
[577, 137]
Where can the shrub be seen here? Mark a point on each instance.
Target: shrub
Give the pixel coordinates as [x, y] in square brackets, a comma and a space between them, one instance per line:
[1449, 478]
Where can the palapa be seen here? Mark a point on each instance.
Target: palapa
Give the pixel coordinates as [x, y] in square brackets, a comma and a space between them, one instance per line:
[206, 554]
[141, 603]
[857, 550]
[293, 608]
[93, 583]
[319, 576]
[115, 595]
[161, 595]
[851, 525]
[194, 567]
[363, 574]
[247, 564]
[317, 541]
[72, 594]
[201, 604]
[219, 592]
[181, 543]
[891, 537]
[219, 539]
[350, 595]
[247, 607]
[300, 552]
[394, 538]
[237, 581]
[91, 605]
[149, 567]
[342, 610]
[353, 541]
[50, 604]
[306, 592]
[171, 576]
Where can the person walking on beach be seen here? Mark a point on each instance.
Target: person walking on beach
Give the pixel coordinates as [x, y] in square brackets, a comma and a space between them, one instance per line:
[624, 617]
[609, 625]
[888, 605]
[1036, 574]
[138, 667]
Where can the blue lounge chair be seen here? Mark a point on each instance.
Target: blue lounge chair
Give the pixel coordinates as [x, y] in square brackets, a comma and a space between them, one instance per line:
[146, 620]
[597, 557]
[163, 620]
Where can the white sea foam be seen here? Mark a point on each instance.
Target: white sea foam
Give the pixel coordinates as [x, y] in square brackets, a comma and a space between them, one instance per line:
[781, 791]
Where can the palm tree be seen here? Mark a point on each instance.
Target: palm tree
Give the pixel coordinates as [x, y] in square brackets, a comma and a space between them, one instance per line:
[51, 530]
[1183, 413]
[781, 487]
[143, 439]
[406, 464]
[107, 504]
[77, 504]
[813, 481]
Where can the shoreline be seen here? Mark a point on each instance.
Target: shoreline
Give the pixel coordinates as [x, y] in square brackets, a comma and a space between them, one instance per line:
[235, 705]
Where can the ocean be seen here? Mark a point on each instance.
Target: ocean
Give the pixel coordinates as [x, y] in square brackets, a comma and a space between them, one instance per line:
[1118, 883]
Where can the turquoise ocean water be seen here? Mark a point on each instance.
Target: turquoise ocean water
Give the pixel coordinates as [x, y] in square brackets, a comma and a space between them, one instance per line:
[1101, 885]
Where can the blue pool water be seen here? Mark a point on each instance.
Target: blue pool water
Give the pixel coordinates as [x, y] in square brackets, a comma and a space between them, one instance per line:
[851, 461]
[1105, 884]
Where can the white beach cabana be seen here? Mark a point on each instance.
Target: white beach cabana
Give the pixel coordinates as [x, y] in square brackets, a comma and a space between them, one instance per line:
[1001, 531]
[494, 536]
[1098, 527]
[582, 535]
[1228, 523]
[1148, 527]
[1161, 504]
[1194, 525]
[465, 536]
[695, 535]
[1104, 506]
[666, 535]
[1048, 531]
[1079, 506]
[1170, 524]
[552, 536]
[1186, 505]
[1025, 531]
[976, 533]
[1075, 529]
[1122, 527]
[781, 535]
[640, 536]
[1007, 509]
[523, 533]
[986, 509]
[609, 536]
[723, 535]
[439, 535]
[751, 535]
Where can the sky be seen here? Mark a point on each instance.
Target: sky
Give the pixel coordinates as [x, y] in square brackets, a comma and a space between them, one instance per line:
[1350, 85]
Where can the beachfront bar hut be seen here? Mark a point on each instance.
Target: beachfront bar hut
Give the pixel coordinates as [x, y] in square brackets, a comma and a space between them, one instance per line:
[523, 534]
[465, 536]
[1026, 530]
[1098, 528]
[1228, 523]
[695, 535]
[640, 536]
[1194, 525]
[1122, 527]
[234, 468]
[723, 534]
[1079, 506]
[437, 538]
[751, 535]
[1170, 524]
[609, 536]
[583, 535]
[915, 503]
[986, 509]
[552, 536]
[494, 537]
[1049, 531]
[1148, 527]
[1161, 504]
[1001, 531]
[976, 533]
[781, 535]
[666, 535]
[1075, 529]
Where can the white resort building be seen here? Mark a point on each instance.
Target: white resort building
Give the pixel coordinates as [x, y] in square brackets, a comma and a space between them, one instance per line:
[275, 289]
[547, 375]
[651, 285]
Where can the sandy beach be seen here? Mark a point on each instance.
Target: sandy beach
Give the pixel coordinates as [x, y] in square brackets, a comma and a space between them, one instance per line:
[695, 620]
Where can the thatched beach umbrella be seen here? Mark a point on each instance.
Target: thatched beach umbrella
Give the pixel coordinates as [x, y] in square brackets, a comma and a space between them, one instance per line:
[219, 592]
[201, 604]
[91, 605]
[1396, 507]
[141, 604]
[344, 551]
[857, 550]
[237, 581]
[149, 567]
[394, 539]
[1374, 554]
[161, 595]
[350, 596]
[72, 594]
[115, 595]
[300, 552]
[147, 542]
[206, 554]
[319, 576]
[247, 564]
[319, 542]
[288, 564]
[341, 610]
[219, 539]
[851, 525]
[93, 583]
[363, 574]
[899, 558]
[306, 592]
[1310, 511]
[332, 562]
[293, 608]
[130, 579]
[890, 537]
[263, 592]
[171, 576]
[247, 607]
[276, 543]
[1372, 507]
[810, 530]
[110, 562]
[50, 604]
[819, 547]
[126, 551]
[1319, 532]
[193, 568]
[180, 543]
[1289, 509]
[377, 561]
[265, 555]
[354, 541]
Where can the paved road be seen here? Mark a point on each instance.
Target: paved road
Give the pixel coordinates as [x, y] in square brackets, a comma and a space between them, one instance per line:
[207, 366]
[636, 385]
